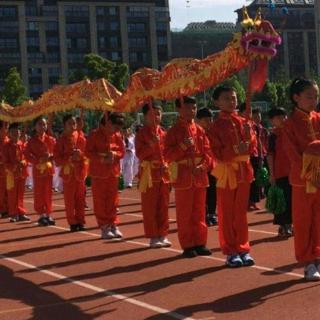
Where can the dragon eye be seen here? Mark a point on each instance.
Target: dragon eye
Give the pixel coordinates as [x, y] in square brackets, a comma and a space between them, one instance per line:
[254, 42]
[266, 44]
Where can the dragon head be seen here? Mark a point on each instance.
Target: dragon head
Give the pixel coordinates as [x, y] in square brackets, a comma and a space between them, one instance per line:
[258, 42]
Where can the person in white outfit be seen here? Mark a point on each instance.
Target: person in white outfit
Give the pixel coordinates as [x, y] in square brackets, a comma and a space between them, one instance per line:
[128, 160]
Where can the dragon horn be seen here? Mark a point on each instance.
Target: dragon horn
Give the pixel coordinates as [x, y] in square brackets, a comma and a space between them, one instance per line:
[247, 21]
[258, 18]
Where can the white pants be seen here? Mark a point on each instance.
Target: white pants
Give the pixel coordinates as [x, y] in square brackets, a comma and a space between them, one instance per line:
[57, 182]
[127, 169]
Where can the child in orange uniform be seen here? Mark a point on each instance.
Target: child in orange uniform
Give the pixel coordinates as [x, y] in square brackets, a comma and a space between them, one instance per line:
[39, 152]
[232, 141]
[16, 173]
[187, 151]
[302, 129]
[153, 177]
[3, 188]
[69, 154]
[104, 149]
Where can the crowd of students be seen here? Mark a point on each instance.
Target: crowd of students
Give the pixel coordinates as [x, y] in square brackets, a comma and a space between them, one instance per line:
[211, 162]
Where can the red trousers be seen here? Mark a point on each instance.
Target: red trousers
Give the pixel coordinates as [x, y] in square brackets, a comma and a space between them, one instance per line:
[306, 224]
[191, 222]
[74, 199]
[3, 195]
[105, 200]
[42, 190]
[155, 205]
[232, 215]
[15, 197]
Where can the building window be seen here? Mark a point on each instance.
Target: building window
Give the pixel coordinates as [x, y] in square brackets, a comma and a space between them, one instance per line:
[35, 57]
[76, 27]
[8, 12]
[162, 40]
[53, 41]
[31, 11]
[76, 11]
[8, 43]
[75, 57]
[9, 26]
[51, 11]
[133, 57]
[53, 57]
[35, 88]
[69, 43]
[114, 25]
[138, 12]
[115, 56]
[114, 42]
[102, 42]
[112, 11]
[54, 72]
[34, 72]
[82, 43]
[136, 27]
[51, 26]
[104, 11]
[138, 57]
[33, 41]
[137, 42]
[32, 26]
[161, 26]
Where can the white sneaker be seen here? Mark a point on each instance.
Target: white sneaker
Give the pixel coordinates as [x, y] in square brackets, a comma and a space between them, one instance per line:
[311, 272]
[165, 242]
[116, 232]
[155, 243]
[106, 233]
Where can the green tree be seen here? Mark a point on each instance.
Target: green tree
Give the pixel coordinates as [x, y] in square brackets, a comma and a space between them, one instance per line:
[269, 94]
[14, 91]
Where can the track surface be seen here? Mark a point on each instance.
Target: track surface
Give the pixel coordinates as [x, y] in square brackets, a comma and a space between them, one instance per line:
[49, 273]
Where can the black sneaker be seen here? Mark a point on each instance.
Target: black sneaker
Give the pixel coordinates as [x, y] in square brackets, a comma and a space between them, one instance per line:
[189, 253]
[24, 217]
[247, 260]
[43, 222]
[81, 227]
[73, 227]
[202, 251]
[281, 232]
[14, 219]
[234, 261]
[288, 230]
[50, 221]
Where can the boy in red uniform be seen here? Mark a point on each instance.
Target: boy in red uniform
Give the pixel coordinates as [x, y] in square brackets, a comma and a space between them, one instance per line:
[16, 173]
[69, 154]
[302, 129]
[279, 169]
[231, 141]
[153, 177]
[39, 152]
[187, 151]
[3, 188]
[104, 149]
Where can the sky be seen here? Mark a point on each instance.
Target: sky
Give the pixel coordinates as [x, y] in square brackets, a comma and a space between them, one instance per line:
[202, 10]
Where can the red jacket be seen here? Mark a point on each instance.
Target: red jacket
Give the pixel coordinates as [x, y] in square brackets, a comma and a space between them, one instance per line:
[186, 158]
[14, 159]
[225, 134]
[3, 141]
[153, 153]
[62, 154]
[300, 129]
[100, 142]
[37, 147]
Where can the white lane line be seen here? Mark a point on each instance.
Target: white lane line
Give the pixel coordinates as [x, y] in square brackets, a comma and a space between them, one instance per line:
[88, 286]
[297, 275]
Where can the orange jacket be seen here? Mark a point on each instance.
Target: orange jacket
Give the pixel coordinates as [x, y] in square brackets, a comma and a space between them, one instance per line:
[186, 158]
[14, 159]
[300, 129]
[62, 154]
[37, 147]
[101, 141]
[225, 134]
[152, 152]
[3, 141]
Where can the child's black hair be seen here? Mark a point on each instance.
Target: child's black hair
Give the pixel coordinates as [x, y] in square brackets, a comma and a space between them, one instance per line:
[220, 89]
[14, 125]
[299, 85]
[186, 99]
[274, 112]
[156, 104]
[256, 110]
[204, 113]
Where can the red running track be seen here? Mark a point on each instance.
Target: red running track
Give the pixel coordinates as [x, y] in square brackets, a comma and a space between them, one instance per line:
[49, 273]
